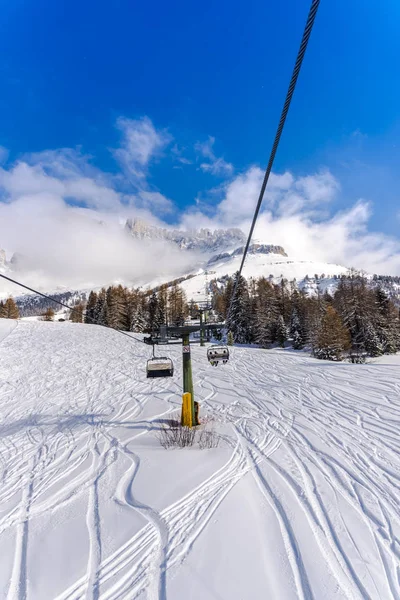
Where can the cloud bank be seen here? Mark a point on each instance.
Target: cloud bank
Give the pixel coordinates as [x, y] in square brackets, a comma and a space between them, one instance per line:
[66, 217]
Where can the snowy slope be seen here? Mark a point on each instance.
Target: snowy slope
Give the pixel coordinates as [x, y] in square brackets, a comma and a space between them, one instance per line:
[6, 327]
[258, 265]
[300, 500]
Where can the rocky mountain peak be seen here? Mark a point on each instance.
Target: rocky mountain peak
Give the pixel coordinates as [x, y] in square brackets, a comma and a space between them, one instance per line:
[203, 240]
[253, 249]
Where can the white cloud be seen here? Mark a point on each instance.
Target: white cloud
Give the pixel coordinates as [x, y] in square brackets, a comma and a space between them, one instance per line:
[63, 179]
[296, 214]
[68, 246]
[141, 142]
[242, 193]
[66, 216]
[215, 165]
[177, 152]
[154, 201]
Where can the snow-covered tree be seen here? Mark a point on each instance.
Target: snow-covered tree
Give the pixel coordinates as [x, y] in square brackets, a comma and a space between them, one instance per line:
[386, 322]
[139, 321]
[281, 332]
[297, 330]
[238, 321]
[268, 305]
[354, 302]
[371, 342]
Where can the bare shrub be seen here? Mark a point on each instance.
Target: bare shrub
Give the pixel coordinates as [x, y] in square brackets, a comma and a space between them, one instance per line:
[208, 438]
[357, 357]
[172, 434]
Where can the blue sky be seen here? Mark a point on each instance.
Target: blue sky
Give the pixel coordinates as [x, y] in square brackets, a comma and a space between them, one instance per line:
[211, 79]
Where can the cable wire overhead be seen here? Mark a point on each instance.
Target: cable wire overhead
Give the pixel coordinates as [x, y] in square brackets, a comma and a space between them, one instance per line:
[132, 337]
[300, 56]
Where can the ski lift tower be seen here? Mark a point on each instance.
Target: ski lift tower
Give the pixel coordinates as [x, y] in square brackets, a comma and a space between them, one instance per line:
[206, 306]
[171, 334]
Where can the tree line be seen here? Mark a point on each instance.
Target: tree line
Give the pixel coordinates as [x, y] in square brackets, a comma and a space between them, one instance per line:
[358, 320]
[137, 310]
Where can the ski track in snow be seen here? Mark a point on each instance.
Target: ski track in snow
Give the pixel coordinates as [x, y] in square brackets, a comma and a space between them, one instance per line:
[320, 440]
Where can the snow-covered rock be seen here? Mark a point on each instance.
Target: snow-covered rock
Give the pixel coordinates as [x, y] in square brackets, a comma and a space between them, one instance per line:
[202, 240]
[3, 260]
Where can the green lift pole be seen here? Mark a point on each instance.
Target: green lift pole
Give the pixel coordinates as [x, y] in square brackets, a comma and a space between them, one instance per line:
[187, 374]
[201, 329]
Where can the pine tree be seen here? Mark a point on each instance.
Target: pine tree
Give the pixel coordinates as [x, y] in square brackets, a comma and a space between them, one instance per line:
[281, 332]
[3, 314]
[387, 322]
[371, 342]
[100, 309]
[230, 338]
[162, 297]
[153, 313]
[332, 338]
[355, 303]
[139, 322]
[177, 306]
[296, 330]
[117, 309]
[268, 304]
[91, 308]
[264, 334]
[238, 318]
[11, 309]
[218, 304]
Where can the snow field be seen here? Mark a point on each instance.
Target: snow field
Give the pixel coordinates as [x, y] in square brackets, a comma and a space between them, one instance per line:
[300, 499]
[261, 265]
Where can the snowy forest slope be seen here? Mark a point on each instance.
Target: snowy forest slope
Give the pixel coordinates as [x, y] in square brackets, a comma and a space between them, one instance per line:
[299, 500]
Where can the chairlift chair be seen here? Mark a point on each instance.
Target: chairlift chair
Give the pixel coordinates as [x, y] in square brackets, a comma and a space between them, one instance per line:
[216, 354]
[160, 366]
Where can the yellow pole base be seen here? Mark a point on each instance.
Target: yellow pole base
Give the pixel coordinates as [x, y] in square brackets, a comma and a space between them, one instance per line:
[187, 418]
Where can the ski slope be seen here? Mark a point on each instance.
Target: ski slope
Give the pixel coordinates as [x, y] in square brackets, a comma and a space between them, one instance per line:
[301, 499]
[261, 265]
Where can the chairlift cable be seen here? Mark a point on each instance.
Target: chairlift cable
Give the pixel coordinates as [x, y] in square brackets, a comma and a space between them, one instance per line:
[132, 337]
[296, 70]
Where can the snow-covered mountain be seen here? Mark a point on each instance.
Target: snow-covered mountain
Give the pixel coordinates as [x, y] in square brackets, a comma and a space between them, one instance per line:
[219, 254]
[202, 240]
[214, 255]
[264, 261]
